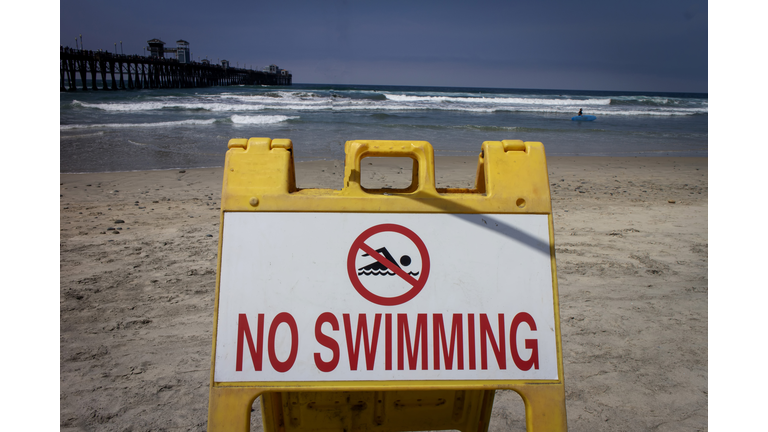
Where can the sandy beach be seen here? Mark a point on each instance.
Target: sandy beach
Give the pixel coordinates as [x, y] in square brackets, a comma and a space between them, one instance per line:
[138, 255]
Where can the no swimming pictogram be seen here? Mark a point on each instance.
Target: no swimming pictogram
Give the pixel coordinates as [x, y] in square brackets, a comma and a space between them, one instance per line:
[381, 277]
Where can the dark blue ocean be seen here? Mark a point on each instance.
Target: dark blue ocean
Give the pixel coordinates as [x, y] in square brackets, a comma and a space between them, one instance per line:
[187, 128]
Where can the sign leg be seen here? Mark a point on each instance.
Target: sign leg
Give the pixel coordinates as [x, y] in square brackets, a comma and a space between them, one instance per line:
[229, 408]
[544, 408]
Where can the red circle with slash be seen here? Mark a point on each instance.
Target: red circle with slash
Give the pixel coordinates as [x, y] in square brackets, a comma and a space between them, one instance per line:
[416, 284]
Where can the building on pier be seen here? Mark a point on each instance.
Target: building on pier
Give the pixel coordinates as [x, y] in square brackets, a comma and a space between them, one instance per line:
[182, 51]
[156, 48]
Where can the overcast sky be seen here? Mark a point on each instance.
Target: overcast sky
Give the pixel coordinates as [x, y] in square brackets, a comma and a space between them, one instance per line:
[595, 45]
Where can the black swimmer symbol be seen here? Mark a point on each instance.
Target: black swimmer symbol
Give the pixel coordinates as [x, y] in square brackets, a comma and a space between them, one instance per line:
[378, 269]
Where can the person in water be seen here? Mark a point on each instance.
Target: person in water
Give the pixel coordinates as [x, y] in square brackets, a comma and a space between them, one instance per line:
[579, 112]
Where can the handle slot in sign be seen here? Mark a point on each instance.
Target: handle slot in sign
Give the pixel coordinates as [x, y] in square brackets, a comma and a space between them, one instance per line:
[423, 177]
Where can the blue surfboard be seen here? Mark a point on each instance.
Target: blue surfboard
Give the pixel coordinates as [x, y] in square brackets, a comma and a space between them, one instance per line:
[583, 118]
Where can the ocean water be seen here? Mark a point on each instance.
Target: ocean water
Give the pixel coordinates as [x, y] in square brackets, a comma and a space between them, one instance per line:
[103, 131]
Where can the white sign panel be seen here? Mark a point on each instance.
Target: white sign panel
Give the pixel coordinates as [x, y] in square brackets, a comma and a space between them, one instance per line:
[383, 297]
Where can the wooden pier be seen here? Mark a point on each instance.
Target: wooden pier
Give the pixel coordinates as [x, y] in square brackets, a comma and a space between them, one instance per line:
[123, 72]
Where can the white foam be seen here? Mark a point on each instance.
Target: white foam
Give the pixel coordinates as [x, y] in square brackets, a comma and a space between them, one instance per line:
[280, 101]
[662, 112]
[299, 107]
[497, 100]
[84, 135]
[261, 119]
[149, 106]
[135, 125]
[298, 101]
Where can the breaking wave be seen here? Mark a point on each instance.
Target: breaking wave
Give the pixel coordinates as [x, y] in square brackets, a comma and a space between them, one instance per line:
[261, 119]
[138, 125]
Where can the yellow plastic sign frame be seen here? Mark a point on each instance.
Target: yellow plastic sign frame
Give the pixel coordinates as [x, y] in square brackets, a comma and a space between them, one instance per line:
[511, 178]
